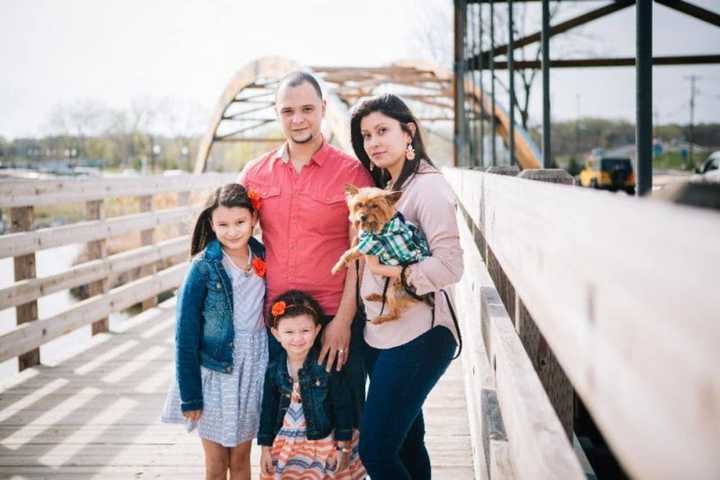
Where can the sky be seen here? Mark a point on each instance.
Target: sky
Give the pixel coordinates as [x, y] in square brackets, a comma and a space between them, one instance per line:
[63, 52]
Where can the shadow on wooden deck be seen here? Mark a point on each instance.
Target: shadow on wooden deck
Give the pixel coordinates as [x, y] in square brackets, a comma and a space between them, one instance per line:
[95, 415]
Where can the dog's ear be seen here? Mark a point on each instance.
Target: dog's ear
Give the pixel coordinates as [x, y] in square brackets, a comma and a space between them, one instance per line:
[351, 189]
[393, 197]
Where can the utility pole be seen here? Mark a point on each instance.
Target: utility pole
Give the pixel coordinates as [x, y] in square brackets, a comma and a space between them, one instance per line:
[693, 79]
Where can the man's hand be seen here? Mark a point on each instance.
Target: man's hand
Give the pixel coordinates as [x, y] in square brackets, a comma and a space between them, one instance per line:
[266, 464]
[335, 344]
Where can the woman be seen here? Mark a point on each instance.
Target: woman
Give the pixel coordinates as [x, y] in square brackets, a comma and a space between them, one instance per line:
[406, 357]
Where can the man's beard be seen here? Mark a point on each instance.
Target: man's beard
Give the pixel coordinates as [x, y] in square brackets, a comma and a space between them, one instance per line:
[303, 141]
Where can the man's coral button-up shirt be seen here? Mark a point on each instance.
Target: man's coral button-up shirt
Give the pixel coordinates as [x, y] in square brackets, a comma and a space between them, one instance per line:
[304, 219]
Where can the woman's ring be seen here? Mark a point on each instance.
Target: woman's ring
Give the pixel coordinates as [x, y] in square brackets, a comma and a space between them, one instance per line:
[341, 350]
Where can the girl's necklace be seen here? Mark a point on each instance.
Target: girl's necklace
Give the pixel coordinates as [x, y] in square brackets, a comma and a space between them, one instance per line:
[246, 269]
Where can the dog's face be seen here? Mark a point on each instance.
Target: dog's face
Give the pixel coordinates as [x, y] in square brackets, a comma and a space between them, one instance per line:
[370, 208]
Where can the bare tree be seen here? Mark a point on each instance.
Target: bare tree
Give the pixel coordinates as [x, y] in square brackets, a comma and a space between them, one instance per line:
[433, 35]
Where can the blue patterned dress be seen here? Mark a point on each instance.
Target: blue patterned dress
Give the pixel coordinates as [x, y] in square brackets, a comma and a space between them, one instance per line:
[231, 412]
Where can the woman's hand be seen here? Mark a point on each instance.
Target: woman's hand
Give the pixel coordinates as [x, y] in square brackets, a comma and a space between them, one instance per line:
[344, 451]
[343, 455]
[380, 270]
[192, 415]
[266, 464]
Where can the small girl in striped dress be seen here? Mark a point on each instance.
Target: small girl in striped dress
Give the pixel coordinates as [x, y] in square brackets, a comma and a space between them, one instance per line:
[306, 416]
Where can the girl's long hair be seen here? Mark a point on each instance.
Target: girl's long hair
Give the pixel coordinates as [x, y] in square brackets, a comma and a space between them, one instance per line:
[230, 195]
[393, 107]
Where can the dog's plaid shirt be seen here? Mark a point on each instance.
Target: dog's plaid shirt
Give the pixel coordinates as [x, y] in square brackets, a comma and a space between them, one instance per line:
[398, 243]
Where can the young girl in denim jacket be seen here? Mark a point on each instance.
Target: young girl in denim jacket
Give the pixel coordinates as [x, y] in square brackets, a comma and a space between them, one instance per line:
[307, 413]
[221, 339]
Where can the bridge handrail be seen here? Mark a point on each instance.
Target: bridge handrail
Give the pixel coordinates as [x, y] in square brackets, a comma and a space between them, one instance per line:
[31, 335]
[96, 272]
[624, 292]
[26, 291]
[16, 244]
[21, 193]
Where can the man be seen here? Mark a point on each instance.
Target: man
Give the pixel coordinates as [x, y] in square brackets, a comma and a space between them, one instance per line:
[304, 219]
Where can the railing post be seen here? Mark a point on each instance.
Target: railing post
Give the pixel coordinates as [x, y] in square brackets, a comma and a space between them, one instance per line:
[95, 250]
[183, 200]
[21, 219]
[146, 238]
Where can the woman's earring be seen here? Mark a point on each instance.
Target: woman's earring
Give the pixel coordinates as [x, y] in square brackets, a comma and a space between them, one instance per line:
[372, 166]
[410, 152]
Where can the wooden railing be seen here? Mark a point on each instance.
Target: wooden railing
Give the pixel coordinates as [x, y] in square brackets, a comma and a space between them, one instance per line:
[22, 197]
[613, 296]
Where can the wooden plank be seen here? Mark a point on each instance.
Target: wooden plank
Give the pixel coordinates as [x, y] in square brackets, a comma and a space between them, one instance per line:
[146, 238]
[16, 244]
[29, 336]
[602, 278]
[501, 465]
[95, 250]
[532, 444]
[478, 374]
[537, 441]
[551, 374]
[53, 192]
[21, 220]
[183, 200]
[90, 422]
[27, 290]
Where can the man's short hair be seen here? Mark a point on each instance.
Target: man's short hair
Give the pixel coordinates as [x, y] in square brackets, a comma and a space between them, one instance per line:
[297, 78]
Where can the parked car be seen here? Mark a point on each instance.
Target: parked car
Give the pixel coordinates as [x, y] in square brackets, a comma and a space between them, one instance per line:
[609, 173]
[709, 171]
[711, 163]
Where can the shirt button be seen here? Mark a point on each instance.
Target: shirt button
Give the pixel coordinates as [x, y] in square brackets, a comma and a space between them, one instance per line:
[217, 285]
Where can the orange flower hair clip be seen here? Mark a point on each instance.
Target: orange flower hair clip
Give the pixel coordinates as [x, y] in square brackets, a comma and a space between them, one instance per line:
[255, 199]
[278, 309]
[259, 267]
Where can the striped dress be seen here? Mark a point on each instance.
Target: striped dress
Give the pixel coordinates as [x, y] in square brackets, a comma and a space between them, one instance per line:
[297, 458]
[231, 412]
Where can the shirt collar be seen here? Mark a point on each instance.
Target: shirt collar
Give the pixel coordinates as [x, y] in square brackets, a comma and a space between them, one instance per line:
[283, 154]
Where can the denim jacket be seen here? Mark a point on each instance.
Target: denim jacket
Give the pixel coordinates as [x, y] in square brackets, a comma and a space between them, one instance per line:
[204, 333]
[326, 400]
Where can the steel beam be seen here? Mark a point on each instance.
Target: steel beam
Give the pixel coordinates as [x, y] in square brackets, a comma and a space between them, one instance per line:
[643, 93]
[546, 150]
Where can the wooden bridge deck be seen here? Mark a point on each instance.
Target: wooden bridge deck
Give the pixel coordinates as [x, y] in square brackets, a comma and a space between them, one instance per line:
[95, 415]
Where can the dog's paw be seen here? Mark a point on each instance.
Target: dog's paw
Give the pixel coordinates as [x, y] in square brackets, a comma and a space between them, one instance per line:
[374, 297]
[383, 319]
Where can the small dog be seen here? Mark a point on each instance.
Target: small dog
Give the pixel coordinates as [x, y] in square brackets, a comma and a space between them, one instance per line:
[386, 239]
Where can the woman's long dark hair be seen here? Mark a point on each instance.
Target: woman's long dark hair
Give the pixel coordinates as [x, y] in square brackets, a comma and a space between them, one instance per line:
[393, 107]
[230, 195]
